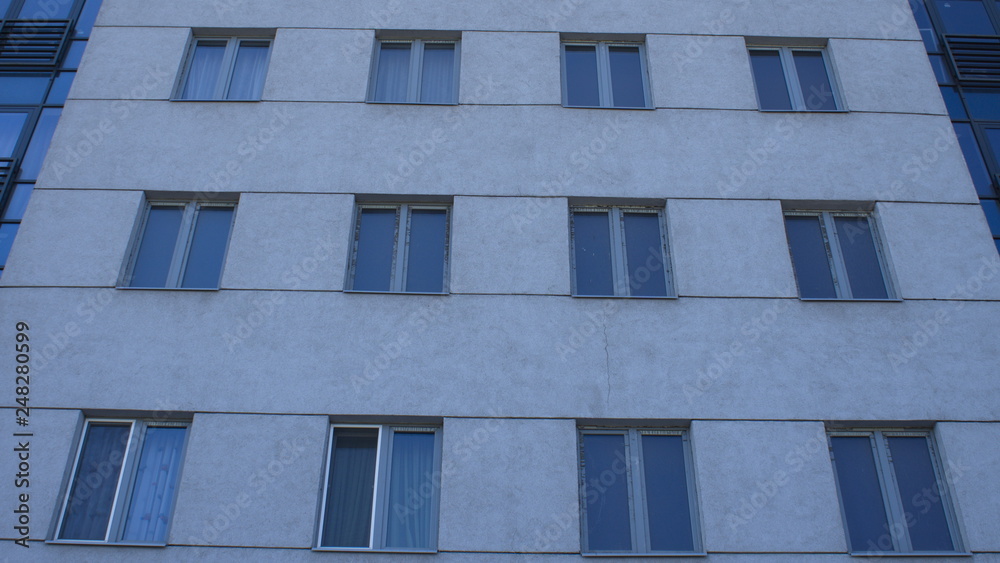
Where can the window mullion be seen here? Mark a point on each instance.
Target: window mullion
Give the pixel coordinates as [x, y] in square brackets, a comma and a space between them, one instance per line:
[604, 75]
[640, 532]
[617, 224]
[890, 495]
[380, 508]
[226, 72]
[836, 256]
[184, 234]
[114, 521]
[400, 252]
[129, 468]
[416, 64]
[377, 490]
[792, 79]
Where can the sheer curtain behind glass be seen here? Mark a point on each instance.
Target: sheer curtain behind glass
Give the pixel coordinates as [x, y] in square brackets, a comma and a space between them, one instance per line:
[437, 81]
[411, 491]
[351, 488]
[203, 74]
[92, 494]
[248, 73]
[393, 72]
[155, 481]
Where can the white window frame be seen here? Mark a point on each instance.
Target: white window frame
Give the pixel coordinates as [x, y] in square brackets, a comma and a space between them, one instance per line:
[792, 84]
[397, 280]
[894, 511]
[179, 259]
[380, 508]
[126, 479]
[415, 72]
[835, 256]
[619, 263]
[636, 490]
[604, 73]
[224, 80]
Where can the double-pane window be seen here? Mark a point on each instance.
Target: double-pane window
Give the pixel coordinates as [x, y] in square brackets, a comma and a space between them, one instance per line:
[230, 68]
[893, 493]
[415, 71]
[837, 256]
[400, 248]
[789, 78]
[180, 245]
[637, 492]
[604, 74]
[382, 489]
[124, 482]
[619, 251]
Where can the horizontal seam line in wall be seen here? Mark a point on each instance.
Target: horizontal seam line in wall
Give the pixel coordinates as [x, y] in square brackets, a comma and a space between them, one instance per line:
[517, 196]
[541, 418]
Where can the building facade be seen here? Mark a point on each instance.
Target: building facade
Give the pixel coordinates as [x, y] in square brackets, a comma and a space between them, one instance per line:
[529, 281]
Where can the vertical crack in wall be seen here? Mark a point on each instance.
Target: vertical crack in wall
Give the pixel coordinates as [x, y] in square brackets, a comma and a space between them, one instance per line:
[607, 365]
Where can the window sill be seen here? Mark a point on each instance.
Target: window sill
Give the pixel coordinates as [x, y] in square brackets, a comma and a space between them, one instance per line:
[116, 544]
[802, 110]
[387, 292]
[654, 297]
[844, 300]
[647, 108]
[653, 554]
[365, 550]
[210, 100]
[411, 103]
[130, 288]
[911, 554]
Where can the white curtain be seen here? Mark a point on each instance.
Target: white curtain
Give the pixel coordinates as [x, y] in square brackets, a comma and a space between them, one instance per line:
[393, 72]
[203, 74]
[411, 491]
[249, 71]
[155, 481]
[437, 85]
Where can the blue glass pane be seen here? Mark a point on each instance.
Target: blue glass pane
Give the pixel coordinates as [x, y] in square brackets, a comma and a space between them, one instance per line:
[983, 104]
[156, 249]
[23, 89]
[810, 257]
[39, 145]
[817, 92]
[974, 159]
[581, 76]
[626, 78]
[923, 504]
[74, 54]
[964, 17]
[425, 253]
[667, 506]
[392, 81]
[7, 233]
[88, 510]
[45, 10]
[350, 491]
[769, 76]
[644, 254]
[592, 253]
[858, 248]
[154, 485]
[203, 72]
[437, 79]
[4, 6]
[249, 71]
[941, 71]
[18, 202]
[860, 494]
[411, 491]
[376, 246]
[60, 88]
[208, 247]
[11, 125]
[85, 23]
[992, 210]
[952, 100]
[605, 476]
[925, 25]
[993, 138]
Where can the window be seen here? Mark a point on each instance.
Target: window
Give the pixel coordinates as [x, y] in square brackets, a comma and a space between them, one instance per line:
[619, 251]
[604, 75]
[227, 68]
[400, 248]
[381, 490]
[124, 482]
[792, 78]
[415, 71]
[636, 490]
[893, 493]
[837, 255]
[180, 244]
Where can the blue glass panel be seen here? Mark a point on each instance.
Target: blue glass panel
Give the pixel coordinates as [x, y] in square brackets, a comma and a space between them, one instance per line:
[11, 124]
[857, 245]
[18, 202]
[203, 72]
[411, 491]
[941, 71]
[810, 257]
[437, 80]
[373, 260]
[4, 6]
[156, 249]
[817, 91]
[974, 159]
[45, 10]
[925, 25]
[923, 504]
[993, 138]
[7, 233]
[39, 145]
[88, 510]
[350, 491]
[626, 78]
[592, 253]
[208, 247]
[392, 81]
[425, 253]
[60, 88]
[667, 506]
[581, 76]
[85, 23]
[860, 494]
[605, 476]
[992, 210]
[154, 485]
[249, 71]
[644, 254]
[964, 17]
[74, 54]
[23, 89]
[953, 101]
[769, 77]
[983, 104]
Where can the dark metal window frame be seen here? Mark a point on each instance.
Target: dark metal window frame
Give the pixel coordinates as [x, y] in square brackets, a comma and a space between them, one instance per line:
[415, 71]
[604, 86]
